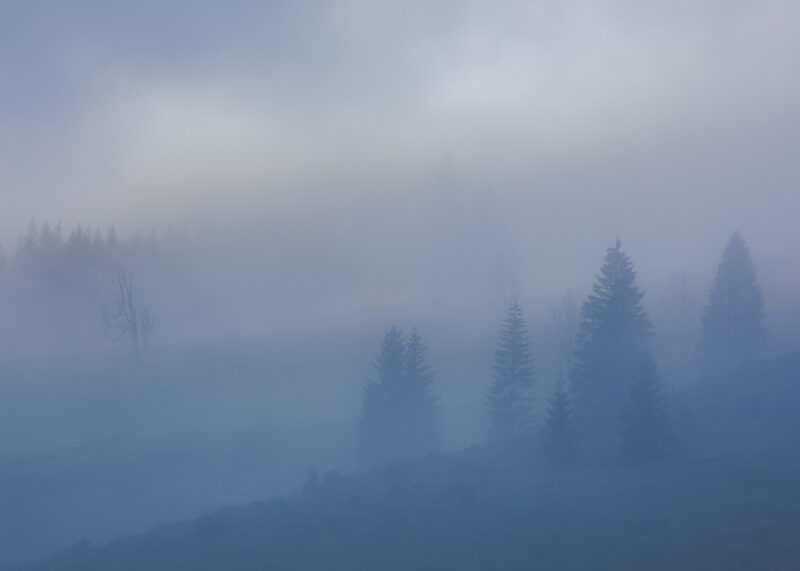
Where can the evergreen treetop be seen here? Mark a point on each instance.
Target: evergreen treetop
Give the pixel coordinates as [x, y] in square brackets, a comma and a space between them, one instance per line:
[508, 403]
[390, 361]
[400, 414]
[732, 321]
[419, 374]
[611, 338]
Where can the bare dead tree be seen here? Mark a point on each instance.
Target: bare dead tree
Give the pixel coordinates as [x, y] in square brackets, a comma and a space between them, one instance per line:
[125, 319]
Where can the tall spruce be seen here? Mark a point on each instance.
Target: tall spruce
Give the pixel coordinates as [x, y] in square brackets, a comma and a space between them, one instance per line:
[645, 421]
[732, 329]
[611, 340]
[422, 403]
[559, 430]
[508, 403]
[400, 415]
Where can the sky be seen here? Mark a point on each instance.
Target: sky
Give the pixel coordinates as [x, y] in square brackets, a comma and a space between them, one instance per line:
[536, 131]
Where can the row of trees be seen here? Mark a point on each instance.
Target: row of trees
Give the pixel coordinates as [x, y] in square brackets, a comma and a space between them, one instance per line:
[51, 256]
[613, 391]
[60, 278]
[613, 395]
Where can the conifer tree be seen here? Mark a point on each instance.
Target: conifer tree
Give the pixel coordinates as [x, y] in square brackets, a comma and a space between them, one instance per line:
[732, 328]
[611, 340]
[378, 426]
[508, 403]
[645, 422]
[421, 401]
[559, 431]
[399, 416]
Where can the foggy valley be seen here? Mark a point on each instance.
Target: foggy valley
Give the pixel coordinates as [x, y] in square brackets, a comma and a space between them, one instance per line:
[349, 285]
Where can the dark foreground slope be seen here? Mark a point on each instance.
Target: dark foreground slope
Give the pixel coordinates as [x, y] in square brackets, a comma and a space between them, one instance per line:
[728, 498]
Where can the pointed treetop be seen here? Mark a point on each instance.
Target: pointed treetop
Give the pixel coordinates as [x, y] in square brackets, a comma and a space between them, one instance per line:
[732, 329]
[735, 300]
[616, 297]
[508, 399]
[389, 362]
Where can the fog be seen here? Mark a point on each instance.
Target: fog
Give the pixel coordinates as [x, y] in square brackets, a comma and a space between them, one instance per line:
[283, 184]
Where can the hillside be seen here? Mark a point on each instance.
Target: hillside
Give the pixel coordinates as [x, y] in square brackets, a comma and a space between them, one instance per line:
[726, 499]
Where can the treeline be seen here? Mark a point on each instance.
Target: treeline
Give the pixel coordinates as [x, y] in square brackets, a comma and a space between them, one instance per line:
[55, 284]
[611, 401]
[52, 257]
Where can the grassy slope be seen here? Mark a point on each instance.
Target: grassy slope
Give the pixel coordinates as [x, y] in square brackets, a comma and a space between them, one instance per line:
[728, 499]
[101, 448]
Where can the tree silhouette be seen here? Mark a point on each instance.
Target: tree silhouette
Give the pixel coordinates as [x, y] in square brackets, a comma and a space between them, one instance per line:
[645, 422]
[421, 401]
[611, 340]
[126, 320]
[399, 417]
[508, 403]
[732, 329]
[559, 431]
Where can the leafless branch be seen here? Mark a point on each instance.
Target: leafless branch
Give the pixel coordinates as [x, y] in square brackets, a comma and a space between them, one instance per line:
[125, 319]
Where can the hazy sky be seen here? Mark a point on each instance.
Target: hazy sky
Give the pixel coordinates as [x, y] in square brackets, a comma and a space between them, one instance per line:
[543, 127]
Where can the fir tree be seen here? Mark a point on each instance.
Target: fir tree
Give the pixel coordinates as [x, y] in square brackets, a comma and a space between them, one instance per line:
[508, 403]
[399, 416]
[611, 340]
[645, 422]
[732, 328]
[421, 401]
[559, 432]
[378, 425]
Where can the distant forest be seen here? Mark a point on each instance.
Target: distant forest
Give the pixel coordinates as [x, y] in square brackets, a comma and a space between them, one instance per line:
[56, 282]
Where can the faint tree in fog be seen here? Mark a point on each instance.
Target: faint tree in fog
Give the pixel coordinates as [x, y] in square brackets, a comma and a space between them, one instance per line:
[111, 240]
[561, 329]
[611, 341]
[125, 320]
[732, 329]
[645, 421]
[378, 427]
[559, 430]
[421, 399]
[508, 403]
[399, 417]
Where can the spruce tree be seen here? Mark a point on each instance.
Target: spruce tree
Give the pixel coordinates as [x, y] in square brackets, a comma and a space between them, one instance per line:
[378, 427]
[611, 340]
[421, 401]
[508, 403]
[645, 422]
[559, 431]
[732, 329]
[399, 416]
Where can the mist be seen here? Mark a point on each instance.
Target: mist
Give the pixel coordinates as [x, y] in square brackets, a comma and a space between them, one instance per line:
[280, 186]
